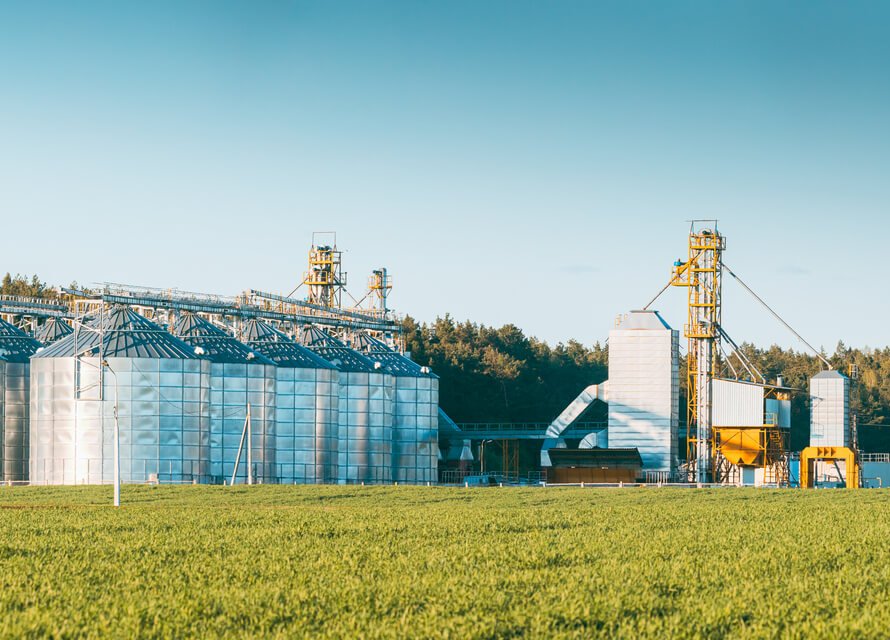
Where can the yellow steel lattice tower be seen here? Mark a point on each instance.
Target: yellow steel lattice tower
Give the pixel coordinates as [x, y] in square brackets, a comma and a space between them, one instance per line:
[379, 285]
[325, 279]
[702, 274]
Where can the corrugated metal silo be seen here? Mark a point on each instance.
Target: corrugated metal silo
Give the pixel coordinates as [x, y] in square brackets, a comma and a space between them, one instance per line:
[644, 389]
[366, 395]
[415, 448]
[238, 376]
[778, 412]
[53, 330]
[307, 395]
[160, 387]
[16, 349]
[830, 410]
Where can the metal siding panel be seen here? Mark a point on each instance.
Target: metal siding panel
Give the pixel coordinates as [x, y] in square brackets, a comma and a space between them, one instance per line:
[736, 404]
[643, 388]
[830, 412]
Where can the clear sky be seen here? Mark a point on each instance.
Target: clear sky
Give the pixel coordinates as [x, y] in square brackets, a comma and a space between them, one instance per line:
[524, 162]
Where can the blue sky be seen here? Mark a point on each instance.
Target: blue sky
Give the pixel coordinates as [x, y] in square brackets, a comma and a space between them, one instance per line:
[521, 162]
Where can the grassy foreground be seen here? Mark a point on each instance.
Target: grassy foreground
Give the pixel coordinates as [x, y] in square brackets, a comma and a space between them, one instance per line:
[397, 562]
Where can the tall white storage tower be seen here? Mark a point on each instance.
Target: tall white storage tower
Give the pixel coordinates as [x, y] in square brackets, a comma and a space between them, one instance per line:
[830, 410]
[644, 389]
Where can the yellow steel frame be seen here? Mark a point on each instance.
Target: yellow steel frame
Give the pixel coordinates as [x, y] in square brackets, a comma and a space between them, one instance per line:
[762, 447]
[380, 284]
[324, 277]
[811, 454]
[702, 274]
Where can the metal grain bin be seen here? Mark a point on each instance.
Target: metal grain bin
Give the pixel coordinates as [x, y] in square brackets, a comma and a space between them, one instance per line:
[238, 376]
[415, 448]
[53, 330]
[16, 349]
[307, 394]
[365, 416]
[644, 389]
[830, 410]
[161, 390]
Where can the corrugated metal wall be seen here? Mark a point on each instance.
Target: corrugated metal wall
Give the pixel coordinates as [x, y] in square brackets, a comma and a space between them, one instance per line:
[830, 410]
[232, 386]
[644, 393]
[306, 425]
[163, 413]
[736, 404]
[779, 410]
[14, 387]
[415, 429]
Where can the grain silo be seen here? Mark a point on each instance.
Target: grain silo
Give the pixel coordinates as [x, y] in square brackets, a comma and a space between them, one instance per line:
[306, 406]
[119, 363]
[53, 330]
[16, 349]
[240, 378]
[415, 448]
[830, 410]
[365, 416]
[644, 389]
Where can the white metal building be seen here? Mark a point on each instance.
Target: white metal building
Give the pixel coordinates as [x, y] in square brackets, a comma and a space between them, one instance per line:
[644, 389]
[830, 410]
[736, 404]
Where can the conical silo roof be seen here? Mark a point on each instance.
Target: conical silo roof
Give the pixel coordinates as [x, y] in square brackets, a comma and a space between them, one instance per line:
[335, 352]
[123, 333]
[280, 349]
[15, 344]
[217, 345]
[52, 330]
[394, 362]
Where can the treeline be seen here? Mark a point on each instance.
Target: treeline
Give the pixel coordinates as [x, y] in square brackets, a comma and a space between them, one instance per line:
[33, 287]
[30, 287]
[494, 375]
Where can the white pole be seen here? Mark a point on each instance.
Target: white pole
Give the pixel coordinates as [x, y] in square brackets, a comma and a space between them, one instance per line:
[117, 449]
[117, 438]
[249, 449]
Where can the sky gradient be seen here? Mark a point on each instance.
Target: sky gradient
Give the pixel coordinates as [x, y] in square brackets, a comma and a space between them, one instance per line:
[531, 163]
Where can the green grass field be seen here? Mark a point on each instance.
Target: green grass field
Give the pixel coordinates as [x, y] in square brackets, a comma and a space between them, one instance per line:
[397, 562]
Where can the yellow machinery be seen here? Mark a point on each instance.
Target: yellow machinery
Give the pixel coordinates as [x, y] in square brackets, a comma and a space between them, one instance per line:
[379, 285]
[325, 279]
[810, 455]
[718, 454]
[701, 273]
[758, 448]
